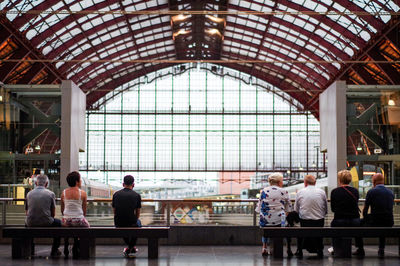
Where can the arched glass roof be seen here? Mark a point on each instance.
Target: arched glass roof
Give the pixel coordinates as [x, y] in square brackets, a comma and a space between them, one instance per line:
[299, 46]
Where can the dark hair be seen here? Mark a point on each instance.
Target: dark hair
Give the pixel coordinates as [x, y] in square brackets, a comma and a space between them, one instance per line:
[28, 174]
[129, 180]
[37, 172]
[73, 178]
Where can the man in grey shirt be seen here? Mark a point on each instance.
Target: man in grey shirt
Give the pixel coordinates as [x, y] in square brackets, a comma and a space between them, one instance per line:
[40, 209]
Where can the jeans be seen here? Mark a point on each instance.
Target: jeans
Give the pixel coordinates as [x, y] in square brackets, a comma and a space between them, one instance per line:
[131, 241]
[348, 222]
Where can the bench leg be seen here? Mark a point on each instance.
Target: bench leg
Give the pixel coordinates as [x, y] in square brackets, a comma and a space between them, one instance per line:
[152, 245]
[21, 248]
[87, 248]
[278, 247]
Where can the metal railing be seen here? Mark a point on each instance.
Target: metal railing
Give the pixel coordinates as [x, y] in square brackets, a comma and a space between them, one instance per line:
[177, 212]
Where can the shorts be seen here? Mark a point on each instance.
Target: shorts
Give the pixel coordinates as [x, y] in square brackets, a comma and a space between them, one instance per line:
[75, 222]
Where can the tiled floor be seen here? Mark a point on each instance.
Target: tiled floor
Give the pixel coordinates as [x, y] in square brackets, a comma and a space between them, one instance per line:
[197, 255]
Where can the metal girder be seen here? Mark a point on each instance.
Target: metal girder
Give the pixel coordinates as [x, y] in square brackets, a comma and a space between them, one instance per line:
[360, 124]
[338, 27]
[21, 20]
[89, 53]
[24, 43]
[109, 74]
[94, 96]
[364, 74]
[34, 70]
[68, 20]
[4, 35]
[394, 37]
[303, 68]
[8, 67]
[37, 131]
[364, 117]
[390, 72]
[390, 26]
[330, 47]
[120, 53]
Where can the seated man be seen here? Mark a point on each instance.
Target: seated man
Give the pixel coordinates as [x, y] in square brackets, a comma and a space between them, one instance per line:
[126, 205]
[40, 209]
[381, 200]
[312, 206]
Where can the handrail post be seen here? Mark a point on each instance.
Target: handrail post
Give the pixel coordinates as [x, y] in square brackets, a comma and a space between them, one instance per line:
[3, 215]
[168, 213]
[254, 214]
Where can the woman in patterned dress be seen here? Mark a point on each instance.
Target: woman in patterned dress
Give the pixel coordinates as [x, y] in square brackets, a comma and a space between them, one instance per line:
[273, 203]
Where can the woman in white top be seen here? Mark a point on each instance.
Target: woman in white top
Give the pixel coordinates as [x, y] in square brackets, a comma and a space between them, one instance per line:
[73, 208]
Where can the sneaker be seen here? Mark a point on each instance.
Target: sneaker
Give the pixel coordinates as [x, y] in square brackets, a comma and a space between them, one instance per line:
[126, 252]
[359, 253]
[265, 252]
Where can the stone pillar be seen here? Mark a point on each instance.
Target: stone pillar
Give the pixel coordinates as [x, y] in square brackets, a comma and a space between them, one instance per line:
[73, 107]
[333, 128]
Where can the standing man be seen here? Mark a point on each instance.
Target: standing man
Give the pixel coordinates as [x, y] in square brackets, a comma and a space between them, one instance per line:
[312, 206]
[380, 199]
[40, 210]
[126, 205]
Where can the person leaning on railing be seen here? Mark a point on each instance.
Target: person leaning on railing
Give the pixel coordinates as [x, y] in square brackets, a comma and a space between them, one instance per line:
[273, 206]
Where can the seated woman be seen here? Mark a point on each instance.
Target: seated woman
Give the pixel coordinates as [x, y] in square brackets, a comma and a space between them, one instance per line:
[273, 204]
[73, 209]
[344, 205]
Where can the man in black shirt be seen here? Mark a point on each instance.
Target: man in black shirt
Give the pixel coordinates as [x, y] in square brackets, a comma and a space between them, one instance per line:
[381, 200]
[126, 205]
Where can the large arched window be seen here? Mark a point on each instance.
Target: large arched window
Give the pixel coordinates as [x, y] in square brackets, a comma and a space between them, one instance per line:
[198, 123]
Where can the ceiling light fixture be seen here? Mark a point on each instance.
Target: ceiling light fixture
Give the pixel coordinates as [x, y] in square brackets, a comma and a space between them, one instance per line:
[214, 32]
[215, 19]
[391, 102]
[359, 148]
[179, 18]
[180, 32]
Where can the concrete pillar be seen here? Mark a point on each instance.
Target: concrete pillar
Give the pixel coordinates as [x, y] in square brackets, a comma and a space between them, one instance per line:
[73, 107]
[332, 110]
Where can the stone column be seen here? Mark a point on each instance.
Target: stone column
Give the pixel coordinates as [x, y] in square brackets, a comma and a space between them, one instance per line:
[333, 128]
[73, 107]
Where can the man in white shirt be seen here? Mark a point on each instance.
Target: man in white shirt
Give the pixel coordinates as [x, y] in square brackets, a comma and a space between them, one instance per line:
[312, 206]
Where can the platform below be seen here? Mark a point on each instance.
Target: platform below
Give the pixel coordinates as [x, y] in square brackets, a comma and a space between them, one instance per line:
[198, 255]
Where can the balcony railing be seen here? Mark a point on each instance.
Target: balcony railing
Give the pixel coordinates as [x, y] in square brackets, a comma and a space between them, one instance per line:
[178, 212]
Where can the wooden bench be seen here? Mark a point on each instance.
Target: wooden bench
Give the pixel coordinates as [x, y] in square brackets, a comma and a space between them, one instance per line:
[22, 237]
[277, 234]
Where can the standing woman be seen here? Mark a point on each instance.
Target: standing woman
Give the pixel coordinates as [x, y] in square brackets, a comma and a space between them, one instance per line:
[73, 209]
[344, 205]
[273, 206]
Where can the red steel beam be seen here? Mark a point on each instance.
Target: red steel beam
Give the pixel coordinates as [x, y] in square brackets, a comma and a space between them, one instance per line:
[392, 75]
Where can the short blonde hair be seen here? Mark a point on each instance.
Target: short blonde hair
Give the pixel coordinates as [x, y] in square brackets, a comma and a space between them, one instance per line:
[344, 177]
[275, 178]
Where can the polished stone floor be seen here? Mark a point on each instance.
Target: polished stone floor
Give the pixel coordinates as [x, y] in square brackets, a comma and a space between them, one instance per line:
[197, 255]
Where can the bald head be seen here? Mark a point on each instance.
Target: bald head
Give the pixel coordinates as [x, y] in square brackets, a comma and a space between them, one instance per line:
[378, 179]
[309, 180]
